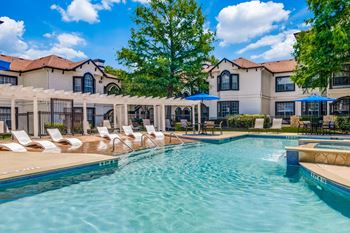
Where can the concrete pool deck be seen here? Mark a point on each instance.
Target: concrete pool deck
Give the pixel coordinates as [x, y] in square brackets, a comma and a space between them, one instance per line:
[335, 173]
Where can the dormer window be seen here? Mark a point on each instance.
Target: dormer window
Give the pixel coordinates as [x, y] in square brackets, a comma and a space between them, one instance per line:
[228, 81]
[85, 84]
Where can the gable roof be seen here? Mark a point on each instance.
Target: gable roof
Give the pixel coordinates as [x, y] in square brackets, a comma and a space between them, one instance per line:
[55, 62]
[273, 67]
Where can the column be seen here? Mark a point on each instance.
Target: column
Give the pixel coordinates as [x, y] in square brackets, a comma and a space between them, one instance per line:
[35, 118]
[13, 114]
[193, 115]
[114, 116]
[120, 116]
[328, 108]
[163, 118]
[155, 120]
[199, 118]
[85, 121]
[126, 115]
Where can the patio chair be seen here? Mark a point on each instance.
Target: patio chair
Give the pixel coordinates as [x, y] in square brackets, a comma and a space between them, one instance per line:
[23, 138]
[152, 131]
[130, 132]
[12, 146]
[327, 127]
[56, 136]
[259, 123]
[304, 126]
[104, 133]
[277, 124]
[187, 126]
[108, 125]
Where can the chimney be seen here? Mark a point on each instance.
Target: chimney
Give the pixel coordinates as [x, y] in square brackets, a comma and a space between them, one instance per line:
[100, 63]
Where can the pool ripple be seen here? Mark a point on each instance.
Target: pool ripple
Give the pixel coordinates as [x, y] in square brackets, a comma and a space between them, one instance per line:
[238, 186]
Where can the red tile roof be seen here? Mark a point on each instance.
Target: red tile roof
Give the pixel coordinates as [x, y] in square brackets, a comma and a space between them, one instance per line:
[280, 66]
[52, 61]
[245, 63]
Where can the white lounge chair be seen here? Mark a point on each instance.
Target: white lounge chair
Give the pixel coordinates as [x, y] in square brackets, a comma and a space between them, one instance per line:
[259, 123]
[130, 132]
[152, 131]
[22, 137]
[56, 136]
[103, 132]
[12, 146]
[276, 123]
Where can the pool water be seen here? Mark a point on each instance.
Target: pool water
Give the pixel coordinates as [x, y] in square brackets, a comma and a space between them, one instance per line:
[333, 146]
[239, 186]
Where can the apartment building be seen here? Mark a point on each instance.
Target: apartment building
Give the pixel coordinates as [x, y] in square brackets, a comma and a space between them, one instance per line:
[246, 87]
[56, 73]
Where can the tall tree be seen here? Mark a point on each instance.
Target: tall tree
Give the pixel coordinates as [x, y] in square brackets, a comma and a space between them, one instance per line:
[168, 47]
[322, 50]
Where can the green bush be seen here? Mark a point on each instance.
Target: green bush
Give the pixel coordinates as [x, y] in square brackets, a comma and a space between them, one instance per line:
[246, 120]
[60, 126]
[343, 123]
[178, 126]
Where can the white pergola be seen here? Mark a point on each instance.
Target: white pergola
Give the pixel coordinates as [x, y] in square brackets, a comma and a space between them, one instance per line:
[14, 93]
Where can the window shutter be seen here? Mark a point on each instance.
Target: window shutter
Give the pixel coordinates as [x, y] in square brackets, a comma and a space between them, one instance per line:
[219, 83]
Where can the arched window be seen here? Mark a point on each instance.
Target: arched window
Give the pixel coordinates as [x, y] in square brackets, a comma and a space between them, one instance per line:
[341, 106]
[228, 81]
[112, 89]
[89, 85]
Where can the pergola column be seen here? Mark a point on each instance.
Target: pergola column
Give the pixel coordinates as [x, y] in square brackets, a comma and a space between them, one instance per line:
[13, 114]
[85, 121]
[163, 118]
[155, 117]
[114, 116]
[120, 116]
[199, 118]
[35, 118]
[193, 115]
[328, 108]
[126, 115]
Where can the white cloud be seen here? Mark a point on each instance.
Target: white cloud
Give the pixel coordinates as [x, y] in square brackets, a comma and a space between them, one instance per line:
[280, 46]
[247, 20]
[12, 42]
[78, 10]
[85, 10]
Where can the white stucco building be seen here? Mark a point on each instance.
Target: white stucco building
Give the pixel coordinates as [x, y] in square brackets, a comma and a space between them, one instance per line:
[246, 87]
[57, 73]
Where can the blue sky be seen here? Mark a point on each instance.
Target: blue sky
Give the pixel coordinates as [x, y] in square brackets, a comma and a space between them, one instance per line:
[77, 29]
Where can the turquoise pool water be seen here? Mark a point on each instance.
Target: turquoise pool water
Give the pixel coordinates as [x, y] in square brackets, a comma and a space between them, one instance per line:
[239, 186]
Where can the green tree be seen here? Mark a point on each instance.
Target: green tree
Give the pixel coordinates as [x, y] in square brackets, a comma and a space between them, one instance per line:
[322, 50]
[167, 49]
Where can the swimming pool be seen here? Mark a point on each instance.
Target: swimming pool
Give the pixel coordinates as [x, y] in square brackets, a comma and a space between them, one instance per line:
[239, 186]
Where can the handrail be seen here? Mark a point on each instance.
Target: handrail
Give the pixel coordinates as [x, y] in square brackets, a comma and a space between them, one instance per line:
[173, 134]
[113, 141]
[143, 141]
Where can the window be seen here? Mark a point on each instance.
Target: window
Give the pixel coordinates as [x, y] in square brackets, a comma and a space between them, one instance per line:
[112, 89]
[78, 114]
[89, 83]
[341, 106]
[285, 109]
[227, 108]
[5, 79]
[5, 116]
[314, 109]
[77, 84]
[342, 79]
[228, 81]
[284, 84]
[85, 84]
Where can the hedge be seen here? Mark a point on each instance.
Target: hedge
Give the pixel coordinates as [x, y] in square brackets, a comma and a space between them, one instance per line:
[246, 120]
[343, 123]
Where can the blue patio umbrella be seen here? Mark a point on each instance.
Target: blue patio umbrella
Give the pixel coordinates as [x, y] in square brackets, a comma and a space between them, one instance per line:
[202, 97]
[315, 98]
[4, 65]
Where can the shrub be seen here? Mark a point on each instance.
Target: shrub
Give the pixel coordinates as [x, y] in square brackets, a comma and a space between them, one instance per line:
[178, 126]
[343, 123]
[60, 126]
[246, 120]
